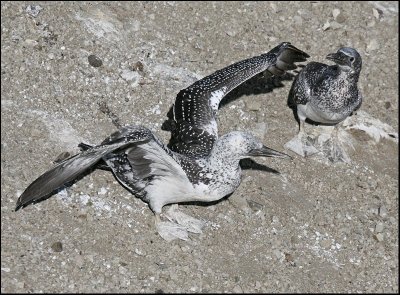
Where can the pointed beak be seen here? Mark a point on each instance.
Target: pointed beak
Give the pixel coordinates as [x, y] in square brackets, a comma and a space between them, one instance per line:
[338, 58]
[267, 152]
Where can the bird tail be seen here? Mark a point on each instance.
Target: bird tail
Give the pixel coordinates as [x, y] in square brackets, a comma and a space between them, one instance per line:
[286, 57]
[65, 172]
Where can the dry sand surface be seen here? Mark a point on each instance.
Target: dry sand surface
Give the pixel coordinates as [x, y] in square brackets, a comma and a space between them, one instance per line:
[315, 227]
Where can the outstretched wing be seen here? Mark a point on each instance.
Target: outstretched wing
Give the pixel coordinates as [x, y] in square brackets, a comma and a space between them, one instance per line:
[196, 107]
[71, 168]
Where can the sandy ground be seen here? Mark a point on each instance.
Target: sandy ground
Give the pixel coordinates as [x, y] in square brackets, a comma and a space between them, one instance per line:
[315, 227]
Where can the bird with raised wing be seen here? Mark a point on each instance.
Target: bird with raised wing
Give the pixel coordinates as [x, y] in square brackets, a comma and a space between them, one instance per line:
[199, 166]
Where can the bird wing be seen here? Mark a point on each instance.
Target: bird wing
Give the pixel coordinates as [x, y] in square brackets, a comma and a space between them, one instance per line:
[148, 168]
[73, 167]
[196, 107]
[302, 87]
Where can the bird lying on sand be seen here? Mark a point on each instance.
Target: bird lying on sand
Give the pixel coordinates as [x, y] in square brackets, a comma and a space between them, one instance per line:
[199, 166]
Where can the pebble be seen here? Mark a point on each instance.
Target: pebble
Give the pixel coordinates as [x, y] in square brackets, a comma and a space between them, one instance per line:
[372, 45]
[57, 247]
[254, 205]
[95, 61]
[278, 254]
[335, 25]
[253, 104]
[379, 227]
[237, 289]
[382, 211]
[33, 10]
[378, 237]
[129, 75]
[377, 13]
[298, 20]
[79, 261]
[338, 16]
[138, 66]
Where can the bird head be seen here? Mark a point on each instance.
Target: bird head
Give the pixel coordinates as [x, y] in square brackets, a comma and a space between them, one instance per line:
[244, 144]
[347, 58]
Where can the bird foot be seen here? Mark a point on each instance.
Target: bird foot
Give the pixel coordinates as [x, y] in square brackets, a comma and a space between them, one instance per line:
[179, 225]
[171, 231]
[334, 151]
[302, 144]
[192, 224]
[321, 141]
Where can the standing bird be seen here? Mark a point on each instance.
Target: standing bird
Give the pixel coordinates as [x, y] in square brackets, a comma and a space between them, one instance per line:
[199, 167]
[328, 94]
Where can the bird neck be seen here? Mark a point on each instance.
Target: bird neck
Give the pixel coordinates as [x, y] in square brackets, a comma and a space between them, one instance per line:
[347, 74]
[224, 156]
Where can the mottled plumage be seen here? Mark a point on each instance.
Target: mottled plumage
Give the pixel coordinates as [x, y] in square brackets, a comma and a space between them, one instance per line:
[196, 107]
[199, 167]
[328, 94]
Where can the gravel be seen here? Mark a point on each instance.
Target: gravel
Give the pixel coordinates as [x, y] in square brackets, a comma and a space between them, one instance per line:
[312, 227]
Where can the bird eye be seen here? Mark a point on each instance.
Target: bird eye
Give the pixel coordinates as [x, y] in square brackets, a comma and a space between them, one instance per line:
[351, 59]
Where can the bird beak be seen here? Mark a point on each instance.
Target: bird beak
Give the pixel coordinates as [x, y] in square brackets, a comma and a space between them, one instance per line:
[267, 152]
[339, 58]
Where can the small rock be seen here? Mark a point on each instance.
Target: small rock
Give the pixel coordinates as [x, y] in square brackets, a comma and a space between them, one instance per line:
[259, 130]
[382, 211]
[140, 252]
[138, 66]
[79, 261]
[335, 25]
[20, 285]
[326, 26]
[379, 227]
[377, 13]
[372, 45]
[387, 105]
[298, 20]
[95, 61]
[30, 42]
[278, 254]
[57, 247]
[254, 205]
[237, 289]
[129, 75]
[33, 10]
[253, 104]
[231, 33]
[378, 237]
[338, 16]
[371, 24]
[335, 13]
[289, 258]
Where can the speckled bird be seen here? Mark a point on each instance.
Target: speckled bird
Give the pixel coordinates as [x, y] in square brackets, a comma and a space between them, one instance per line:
[199, 166]
[328, 94]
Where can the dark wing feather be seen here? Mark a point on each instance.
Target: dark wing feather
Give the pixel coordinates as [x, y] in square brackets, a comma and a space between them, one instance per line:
[73, 167]
[301, 89]
[196, 107]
